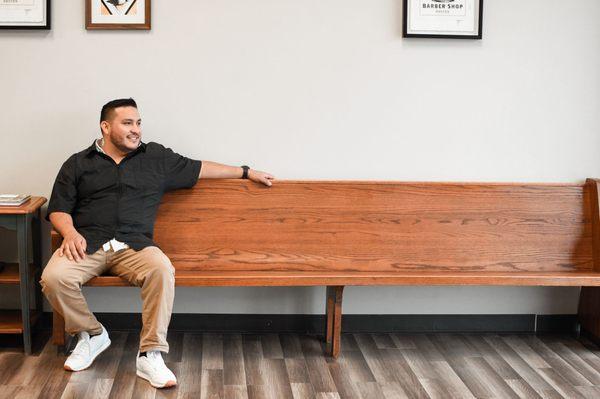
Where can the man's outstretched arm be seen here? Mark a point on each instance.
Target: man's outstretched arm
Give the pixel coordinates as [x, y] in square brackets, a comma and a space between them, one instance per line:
[213, 170]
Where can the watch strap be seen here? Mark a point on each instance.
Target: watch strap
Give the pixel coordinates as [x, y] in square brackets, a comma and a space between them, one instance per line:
[245, 168]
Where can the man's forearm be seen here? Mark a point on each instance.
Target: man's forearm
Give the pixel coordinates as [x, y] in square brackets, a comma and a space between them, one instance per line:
[62, 222]
[214, 170]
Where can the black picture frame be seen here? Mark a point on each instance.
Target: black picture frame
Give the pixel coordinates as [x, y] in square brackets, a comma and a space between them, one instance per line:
[46, 26]
[477, 36]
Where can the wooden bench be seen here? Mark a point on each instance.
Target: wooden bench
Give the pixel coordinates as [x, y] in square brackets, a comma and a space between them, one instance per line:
[344, 233]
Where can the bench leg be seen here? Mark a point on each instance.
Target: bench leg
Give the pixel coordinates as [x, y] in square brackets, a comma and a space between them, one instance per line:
[589, 312]
[589, 299]
[58, 329]
[329, 317]
[333, 330]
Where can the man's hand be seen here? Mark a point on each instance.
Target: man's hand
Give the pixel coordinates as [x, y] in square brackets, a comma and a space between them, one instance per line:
[260, 177]
[73, 246]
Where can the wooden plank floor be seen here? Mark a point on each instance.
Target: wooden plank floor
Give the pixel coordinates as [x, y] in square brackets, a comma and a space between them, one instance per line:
[283, 366]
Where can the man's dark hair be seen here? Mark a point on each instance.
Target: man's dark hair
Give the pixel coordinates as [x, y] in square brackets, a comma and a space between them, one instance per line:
[110, 106]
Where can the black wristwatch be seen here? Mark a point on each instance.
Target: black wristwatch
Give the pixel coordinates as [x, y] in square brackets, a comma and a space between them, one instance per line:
[246, 169]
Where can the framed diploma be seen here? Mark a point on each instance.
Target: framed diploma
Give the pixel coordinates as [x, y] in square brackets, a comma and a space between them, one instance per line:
[24, 14]
[453, 19]
[117, 14]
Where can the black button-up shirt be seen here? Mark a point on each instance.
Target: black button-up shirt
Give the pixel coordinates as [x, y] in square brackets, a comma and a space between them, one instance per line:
[109, 201]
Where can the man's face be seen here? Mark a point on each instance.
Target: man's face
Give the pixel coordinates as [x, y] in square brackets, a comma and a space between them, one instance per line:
[124, 129]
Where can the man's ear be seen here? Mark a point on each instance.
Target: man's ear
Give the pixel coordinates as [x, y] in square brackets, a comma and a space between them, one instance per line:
[104, 126]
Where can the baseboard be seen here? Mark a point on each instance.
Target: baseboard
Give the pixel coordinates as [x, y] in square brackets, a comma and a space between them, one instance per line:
[351, 323]
[566, 323]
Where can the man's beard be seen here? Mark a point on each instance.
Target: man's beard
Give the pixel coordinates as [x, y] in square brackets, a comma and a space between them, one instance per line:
[122, 147]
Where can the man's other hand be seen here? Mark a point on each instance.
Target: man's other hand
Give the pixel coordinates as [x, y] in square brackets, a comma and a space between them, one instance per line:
[73, 246]
[260, 177]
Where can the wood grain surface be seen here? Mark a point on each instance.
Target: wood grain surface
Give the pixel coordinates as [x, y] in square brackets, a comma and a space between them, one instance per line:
[279, 366]
[234, 232]
[230, 225]
[30, 206]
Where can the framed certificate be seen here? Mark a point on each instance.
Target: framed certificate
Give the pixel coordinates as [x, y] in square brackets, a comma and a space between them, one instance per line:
[453, 19]
[117, 14]
[24, 14]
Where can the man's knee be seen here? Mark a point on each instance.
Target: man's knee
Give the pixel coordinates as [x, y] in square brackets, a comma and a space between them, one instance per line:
[159, 266]
[54, 277]
[51, 280]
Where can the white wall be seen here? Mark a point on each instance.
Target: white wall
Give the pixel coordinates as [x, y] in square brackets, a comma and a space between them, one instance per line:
[317, 89]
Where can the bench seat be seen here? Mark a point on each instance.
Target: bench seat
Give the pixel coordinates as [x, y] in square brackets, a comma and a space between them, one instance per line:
[304, 278]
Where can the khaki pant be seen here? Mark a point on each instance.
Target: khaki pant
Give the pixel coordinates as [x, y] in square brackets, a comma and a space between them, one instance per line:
[149, 269]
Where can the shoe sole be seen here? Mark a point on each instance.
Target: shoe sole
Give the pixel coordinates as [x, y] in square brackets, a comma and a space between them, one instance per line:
[102, 349]
[143, 375]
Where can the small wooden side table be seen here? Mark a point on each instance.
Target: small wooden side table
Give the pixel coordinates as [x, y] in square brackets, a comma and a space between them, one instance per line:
[25, 220]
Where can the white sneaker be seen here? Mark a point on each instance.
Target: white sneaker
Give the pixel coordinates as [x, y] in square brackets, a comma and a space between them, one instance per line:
[86, 350]
[152, 367]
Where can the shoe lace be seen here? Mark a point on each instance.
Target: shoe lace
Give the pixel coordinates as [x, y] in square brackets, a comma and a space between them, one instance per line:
[83, 345]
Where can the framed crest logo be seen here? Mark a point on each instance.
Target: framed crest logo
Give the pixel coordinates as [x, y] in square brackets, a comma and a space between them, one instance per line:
[117, 14]
[454, 19]
[25, 14]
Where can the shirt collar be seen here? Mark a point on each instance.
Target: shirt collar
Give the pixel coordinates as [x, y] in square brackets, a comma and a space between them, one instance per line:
[99, 146]
[96, 147]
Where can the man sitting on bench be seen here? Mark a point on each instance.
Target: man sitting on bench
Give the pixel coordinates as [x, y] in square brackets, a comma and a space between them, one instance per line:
[104, 203]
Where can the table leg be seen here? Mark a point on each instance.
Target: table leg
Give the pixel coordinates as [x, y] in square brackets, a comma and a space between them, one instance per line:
[23, 223]
[37, 260]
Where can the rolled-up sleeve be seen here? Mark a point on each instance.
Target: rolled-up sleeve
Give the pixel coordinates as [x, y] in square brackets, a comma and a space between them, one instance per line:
[64, 192]
[180, 172]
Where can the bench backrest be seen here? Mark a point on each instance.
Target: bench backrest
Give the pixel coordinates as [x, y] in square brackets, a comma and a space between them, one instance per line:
[377, 226]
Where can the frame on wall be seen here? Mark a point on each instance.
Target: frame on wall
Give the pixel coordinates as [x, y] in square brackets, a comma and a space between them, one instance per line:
[117, 14]
[448, 19]
[25, 14]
